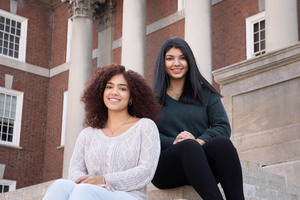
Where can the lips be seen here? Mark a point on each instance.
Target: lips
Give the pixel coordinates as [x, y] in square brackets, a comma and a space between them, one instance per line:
[177, 70]
[113, 99]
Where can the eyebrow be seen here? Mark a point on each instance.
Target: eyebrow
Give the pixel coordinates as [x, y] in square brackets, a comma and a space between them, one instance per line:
[121, 84]
[173, 55]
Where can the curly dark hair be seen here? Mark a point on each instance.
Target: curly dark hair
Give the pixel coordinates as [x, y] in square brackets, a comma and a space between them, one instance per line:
[144, 103]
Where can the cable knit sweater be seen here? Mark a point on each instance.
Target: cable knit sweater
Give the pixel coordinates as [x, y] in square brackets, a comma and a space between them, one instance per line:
[128, 162]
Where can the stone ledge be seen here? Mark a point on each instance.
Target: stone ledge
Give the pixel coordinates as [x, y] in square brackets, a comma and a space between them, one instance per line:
[257, 185]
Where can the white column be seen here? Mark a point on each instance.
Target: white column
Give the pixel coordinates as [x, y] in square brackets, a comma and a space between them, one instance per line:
[134, 35]
[198, 34]
[281, 24]
[79, 73]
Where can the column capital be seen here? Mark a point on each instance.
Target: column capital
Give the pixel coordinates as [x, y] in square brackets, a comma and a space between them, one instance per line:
[106, 14]
[84, 8]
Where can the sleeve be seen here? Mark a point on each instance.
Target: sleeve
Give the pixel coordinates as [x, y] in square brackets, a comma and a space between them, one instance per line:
[217, 117]
[139, 176]
[166, 141]
[77, 164]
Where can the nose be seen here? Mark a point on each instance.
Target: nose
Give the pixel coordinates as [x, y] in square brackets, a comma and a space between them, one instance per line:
[114, 91]
[176, 62]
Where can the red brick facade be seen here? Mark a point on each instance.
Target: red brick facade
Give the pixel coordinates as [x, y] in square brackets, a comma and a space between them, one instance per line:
[40, 160]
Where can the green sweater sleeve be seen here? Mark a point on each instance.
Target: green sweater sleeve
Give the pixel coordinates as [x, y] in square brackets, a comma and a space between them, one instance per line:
[217, 118]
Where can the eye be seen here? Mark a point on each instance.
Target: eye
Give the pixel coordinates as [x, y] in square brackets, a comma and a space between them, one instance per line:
[182, 57]
[123, 89]
[169, 58]
[108, 87]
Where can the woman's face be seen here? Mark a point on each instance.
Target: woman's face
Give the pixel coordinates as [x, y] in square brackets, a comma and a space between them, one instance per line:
[176, 64]
[116, 95]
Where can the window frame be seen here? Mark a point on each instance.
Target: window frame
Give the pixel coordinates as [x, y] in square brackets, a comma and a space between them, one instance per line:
[18, 117]
[23, 36]
[11, 184]
[180, 5]
[64, 119]
[250, 21]
[69, 39]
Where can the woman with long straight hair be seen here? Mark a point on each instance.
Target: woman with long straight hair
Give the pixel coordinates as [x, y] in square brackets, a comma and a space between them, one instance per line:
[194, 128]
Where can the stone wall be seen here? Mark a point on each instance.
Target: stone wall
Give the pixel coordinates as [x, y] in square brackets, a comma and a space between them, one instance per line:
[262, 96]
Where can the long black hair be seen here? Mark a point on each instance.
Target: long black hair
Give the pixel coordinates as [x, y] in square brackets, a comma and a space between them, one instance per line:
[194, 82]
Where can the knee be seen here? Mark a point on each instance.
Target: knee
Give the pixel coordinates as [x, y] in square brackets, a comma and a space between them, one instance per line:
[63, 184]
[223, 144]
[189, 146]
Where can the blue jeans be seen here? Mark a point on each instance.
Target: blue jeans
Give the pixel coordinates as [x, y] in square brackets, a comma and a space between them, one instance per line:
[63, 189]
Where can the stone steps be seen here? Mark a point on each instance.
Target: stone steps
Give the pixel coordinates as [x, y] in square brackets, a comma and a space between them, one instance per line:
[258, 185]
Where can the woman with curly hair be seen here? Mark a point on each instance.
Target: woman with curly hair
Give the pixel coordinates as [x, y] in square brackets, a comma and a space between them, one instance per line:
[115, 157]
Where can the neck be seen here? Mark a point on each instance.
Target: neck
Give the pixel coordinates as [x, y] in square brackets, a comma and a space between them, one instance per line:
[176, 84]
[116, 117]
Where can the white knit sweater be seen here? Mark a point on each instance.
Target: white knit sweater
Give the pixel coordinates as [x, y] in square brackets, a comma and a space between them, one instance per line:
[128, 162]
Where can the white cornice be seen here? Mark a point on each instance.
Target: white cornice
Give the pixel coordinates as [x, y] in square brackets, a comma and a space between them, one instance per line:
[251, 67]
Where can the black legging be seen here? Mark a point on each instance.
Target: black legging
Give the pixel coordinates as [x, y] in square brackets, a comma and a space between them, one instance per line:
[188, 163]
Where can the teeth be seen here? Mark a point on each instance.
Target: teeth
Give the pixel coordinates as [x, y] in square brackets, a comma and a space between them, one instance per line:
[113, 99]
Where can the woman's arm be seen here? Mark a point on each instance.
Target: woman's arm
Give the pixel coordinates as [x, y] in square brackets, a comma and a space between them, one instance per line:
[218, 120]
[77, 164]
[139, 176]
[166, 141]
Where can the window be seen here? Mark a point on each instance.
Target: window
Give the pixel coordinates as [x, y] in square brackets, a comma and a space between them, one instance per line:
[7, 185]
[256, 35]
[11, 103]
[13, 32]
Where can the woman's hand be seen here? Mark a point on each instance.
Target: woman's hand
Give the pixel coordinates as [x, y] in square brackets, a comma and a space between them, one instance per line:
[187, 135]
[183, 136]
[201, 142]
[91, 179]
[107, 186]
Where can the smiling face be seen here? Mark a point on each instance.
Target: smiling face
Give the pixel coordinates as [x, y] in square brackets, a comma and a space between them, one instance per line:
[176, 64]
[117, 93]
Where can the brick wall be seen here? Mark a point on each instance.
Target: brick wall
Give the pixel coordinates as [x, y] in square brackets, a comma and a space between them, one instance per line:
[228, 31]
[26, 165]
[61, 15]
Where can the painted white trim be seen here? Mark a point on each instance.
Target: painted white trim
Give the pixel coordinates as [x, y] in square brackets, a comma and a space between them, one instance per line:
[16, 64]
[64, 119]
[180, 4]
[18, 117]
[59, 69]
[23, 36]
[249, 32]
[69, 39]
[164, 22]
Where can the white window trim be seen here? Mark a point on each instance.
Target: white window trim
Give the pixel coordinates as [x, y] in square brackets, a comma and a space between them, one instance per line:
[249, 32]
[18, 119]
[69, 39]
[11, 184]
[64, 119]
[180, 4]
[23, 37]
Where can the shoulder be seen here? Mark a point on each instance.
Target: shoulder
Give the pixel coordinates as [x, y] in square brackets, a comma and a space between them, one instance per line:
[146, 122]
[147, 125]
[87, 132]
[209, 96]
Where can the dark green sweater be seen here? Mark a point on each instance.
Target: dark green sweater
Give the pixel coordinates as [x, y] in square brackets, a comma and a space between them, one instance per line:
[204, 122]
